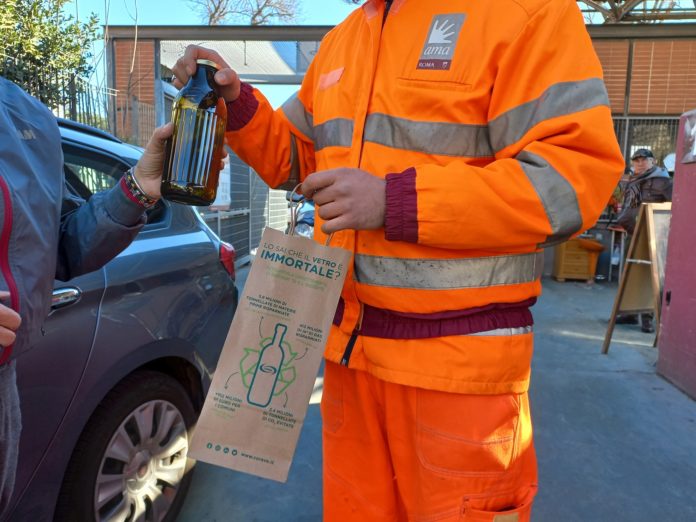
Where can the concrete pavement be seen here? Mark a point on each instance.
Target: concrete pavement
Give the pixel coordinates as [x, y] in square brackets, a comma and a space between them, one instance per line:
[615, 441]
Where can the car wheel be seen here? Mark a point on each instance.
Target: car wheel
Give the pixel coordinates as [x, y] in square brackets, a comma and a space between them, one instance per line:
[131, 463]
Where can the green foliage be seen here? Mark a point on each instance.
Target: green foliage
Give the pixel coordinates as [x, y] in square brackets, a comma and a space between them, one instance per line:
[44, 50]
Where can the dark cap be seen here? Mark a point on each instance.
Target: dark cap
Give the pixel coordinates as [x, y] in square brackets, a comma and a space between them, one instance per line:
[642, 153]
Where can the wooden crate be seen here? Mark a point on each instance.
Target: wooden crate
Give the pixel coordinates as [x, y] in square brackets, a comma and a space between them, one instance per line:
[576, 259]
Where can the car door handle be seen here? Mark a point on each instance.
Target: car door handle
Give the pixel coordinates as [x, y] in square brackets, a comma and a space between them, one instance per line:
[65, 296]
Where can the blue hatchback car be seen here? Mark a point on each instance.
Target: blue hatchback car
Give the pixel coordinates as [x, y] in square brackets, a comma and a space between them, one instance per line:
[110, 393]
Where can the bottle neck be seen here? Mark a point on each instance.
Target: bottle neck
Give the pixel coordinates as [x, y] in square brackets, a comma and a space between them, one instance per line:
[205, 75]
[279, 334]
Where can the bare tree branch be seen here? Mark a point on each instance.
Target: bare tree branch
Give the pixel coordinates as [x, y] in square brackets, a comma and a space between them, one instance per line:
[252, 12]
[213, 12]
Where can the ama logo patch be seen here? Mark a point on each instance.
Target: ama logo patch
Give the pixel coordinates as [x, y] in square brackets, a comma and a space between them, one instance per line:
[442, 39]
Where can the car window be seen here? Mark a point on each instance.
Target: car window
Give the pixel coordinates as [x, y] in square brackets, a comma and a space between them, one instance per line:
[97, 172]
[88, 172]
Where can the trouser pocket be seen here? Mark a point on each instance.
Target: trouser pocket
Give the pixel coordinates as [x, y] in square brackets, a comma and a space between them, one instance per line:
[466, 435]
[520, 511]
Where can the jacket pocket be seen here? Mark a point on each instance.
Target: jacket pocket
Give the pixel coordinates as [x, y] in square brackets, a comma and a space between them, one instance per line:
[439, 86]
[466, 435]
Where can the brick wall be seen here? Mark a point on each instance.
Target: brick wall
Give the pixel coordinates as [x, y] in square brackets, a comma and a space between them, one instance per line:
[133, 118]
[143, 77]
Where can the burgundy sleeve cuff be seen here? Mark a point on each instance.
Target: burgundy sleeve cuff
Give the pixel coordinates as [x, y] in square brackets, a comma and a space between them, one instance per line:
[126, 192]
[242, 110]
[401, 215]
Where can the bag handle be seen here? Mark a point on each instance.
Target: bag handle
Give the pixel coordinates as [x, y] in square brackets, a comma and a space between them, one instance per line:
[295, 212]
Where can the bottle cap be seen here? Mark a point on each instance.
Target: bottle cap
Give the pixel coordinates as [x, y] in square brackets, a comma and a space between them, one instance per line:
[208, 62]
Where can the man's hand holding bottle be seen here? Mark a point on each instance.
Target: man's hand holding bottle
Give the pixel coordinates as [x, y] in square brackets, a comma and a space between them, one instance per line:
[226, 78]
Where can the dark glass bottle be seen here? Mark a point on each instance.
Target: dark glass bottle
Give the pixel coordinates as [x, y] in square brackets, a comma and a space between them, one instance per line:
[193, 153]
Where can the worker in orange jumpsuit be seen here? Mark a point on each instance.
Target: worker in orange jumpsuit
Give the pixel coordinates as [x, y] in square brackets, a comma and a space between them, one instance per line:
[445, 145]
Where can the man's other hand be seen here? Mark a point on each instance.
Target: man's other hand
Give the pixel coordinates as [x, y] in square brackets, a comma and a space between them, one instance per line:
[226, 78]
[9, 322]
[347, 199]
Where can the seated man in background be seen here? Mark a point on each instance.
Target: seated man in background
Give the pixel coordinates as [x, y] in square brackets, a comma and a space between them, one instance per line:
[649, 183]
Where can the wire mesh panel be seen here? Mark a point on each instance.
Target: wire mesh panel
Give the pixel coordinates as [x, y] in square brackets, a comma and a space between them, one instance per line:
[657, 134]
[259, 201]
[269, 208]
[620, 125]
[240, 190]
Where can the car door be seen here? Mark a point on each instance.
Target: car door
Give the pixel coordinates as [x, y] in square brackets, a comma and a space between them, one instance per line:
[49, 373]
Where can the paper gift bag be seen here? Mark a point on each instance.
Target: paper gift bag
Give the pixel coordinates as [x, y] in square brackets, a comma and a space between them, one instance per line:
[258, 399]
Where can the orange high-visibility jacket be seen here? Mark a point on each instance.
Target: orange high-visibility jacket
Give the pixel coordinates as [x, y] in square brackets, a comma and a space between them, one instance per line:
[491, 124]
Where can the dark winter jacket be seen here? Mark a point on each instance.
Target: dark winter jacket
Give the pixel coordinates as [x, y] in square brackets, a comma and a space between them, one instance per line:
[653, 186]
[46, 233]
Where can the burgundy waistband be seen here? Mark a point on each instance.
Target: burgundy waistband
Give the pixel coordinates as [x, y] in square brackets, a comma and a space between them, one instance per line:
[388, 324]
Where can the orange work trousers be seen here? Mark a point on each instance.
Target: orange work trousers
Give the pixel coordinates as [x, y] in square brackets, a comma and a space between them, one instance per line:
[397, 453]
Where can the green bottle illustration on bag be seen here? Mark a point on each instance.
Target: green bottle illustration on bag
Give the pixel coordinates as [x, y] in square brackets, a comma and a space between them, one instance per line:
[268, 369]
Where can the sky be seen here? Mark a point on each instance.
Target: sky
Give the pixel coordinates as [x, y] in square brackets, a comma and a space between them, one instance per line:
[181, 12]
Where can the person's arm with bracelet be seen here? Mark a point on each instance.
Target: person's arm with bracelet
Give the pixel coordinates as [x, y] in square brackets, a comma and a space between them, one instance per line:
[96, 231]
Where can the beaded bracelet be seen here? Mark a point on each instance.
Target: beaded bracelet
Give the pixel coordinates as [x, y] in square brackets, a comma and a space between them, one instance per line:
[133, 189]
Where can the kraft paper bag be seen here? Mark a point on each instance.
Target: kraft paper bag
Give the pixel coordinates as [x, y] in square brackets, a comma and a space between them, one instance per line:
[260, 393]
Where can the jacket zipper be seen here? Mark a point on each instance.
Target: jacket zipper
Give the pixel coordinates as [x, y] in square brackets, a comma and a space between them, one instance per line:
[387, 7]
[353, 337]
[356, 331]
[5, 258]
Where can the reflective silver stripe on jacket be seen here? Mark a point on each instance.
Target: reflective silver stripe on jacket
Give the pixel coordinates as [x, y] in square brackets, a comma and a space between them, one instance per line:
[337, 132]
[453, 139]
[558, 100]
[505, 331]
[556, 194]
[448, 274]
[294, 176]
[444, 139]
[299, 116]
[333, 133]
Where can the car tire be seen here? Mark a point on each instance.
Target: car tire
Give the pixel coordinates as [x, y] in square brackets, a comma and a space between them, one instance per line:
[113, 451]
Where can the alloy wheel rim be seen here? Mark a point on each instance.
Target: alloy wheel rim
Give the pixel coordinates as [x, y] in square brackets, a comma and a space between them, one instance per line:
[143, 465]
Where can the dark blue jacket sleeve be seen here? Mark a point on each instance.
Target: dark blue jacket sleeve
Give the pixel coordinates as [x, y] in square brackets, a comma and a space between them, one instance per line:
[94, 232]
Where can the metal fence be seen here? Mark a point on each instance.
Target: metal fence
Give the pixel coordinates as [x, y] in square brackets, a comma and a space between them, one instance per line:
[67, 96]
[133, 120]
[78, 100]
